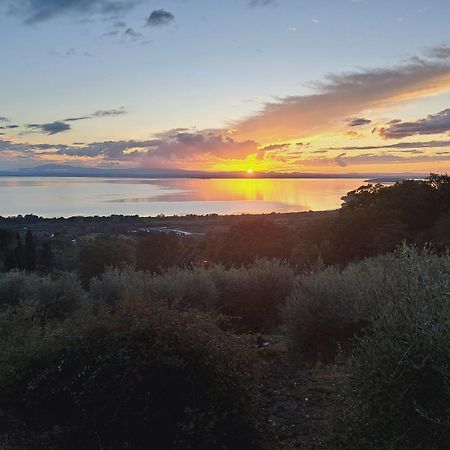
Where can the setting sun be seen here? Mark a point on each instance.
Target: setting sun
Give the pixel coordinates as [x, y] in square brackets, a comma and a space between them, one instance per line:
[250, 171]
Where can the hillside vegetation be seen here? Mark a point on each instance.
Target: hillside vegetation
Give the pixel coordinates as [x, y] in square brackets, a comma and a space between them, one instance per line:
[142, 345]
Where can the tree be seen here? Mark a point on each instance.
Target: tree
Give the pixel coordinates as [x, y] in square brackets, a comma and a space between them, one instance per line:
[46, 257]
[158, 251]
[7, 245]
[99, 254]
[249, 240]
[19, 252]
[29, 253]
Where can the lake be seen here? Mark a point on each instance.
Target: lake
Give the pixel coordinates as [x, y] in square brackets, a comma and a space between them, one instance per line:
[64, 197]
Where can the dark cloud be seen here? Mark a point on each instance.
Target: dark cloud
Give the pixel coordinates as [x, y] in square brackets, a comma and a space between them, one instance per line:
[35, 11]
[130, 32]
[110, 112]
[343, 160]
[50, 128]
[102, 113]
[160, 17]
[370, 158]
[60, 126]
[76, 119]
[427, 144]
[3, 119]
[358, 122]
[433, 124]
[440, 52]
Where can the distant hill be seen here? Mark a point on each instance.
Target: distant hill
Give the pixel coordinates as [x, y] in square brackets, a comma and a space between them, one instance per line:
[63, 170]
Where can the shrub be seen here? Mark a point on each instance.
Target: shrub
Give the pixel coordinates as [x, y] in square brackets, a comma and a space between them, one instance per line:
[51, 297]
[184, 287]
[320, 317]
[141, 377]
[399, 390]
[120, 285]
[188, 288]
[254, 295]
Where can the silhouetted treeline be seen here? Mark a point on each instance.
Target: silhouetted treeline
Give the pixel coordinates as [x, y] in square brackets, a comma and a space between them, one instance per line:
[375, 219]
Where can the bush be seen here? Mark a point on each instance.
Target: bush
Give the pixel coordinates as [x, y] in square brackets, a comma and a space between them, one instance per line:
[52, 297]
[320, 317]
[252, 296]
[141, 377]
[116, 286]
[188, 288]
[399, 391]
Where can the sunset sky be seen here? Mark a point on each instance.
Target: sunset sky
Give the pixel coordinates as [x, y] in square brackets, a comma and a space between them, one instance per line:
[320, 86]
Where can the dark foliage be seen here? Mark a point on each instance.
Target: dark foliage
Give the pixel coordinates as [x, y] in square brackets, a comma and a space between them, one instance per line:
[159, 251]
[46, 257]
[29, 253]
[8, 244]
[140, 377]
[375, 219]
[397, 308]
[94, 257]
[250, 240]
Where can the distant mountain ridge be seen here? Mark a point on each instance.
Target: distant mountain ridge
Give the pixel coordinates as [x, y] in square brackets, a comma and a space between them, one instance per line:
[63, 170]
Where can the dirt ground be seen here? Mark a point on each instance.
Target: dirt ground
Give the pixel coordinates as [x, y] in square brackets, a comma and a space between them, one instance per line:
[299, 403]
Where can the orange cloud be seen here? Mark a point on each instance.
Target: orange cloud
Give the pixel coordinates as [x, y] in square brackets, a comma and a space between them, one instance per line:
[344, 95]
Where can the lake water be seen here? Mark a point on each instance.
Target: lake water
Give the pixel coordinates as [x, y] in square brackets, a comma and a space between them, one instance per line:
[64, 197]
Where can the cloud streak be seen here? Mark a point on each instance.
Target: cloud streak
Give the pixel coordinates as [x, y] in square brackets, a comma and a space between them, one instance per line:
[399, 145]
[368, 159]
[358, 122]
[433, 124]
[61, 126]
[35, 11]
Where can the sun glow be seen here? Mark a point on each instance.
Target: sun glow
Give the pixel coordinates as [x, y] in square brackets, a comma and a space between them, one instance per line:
[250, 171]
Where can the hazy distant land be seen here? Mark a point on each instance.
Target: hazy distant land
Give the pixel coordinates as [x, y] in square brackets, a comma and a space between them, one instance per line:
[62, 170]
